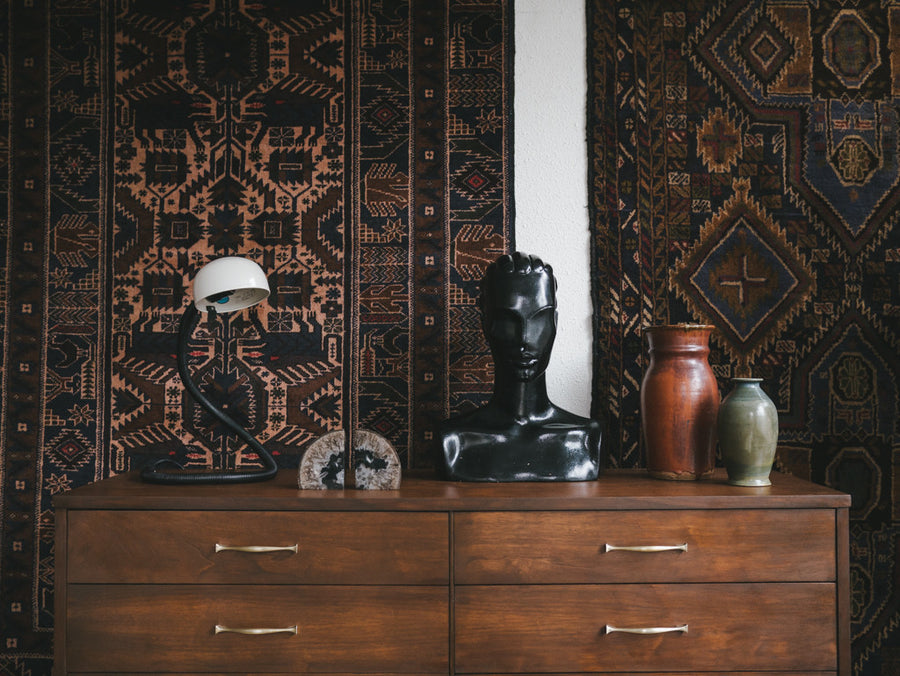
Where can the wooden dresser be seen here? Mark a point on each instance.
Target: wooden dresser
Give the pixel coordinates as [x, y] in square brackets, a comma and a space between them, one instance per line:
[624, 574]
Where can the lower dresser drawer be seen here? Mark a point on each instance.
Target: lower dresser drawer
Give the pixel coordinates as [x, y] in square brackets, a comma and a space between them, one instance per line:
[172, 628]
[563, 628]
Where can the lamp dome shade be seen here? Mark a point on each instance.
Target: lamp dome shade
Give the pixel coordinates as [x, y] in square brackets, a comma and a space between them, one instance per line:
[228, 284]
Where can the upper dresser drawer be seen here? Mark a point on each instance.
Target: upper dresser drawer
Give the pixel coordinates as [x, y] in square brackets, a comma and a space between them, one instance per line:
[221, 547]
[644, 546]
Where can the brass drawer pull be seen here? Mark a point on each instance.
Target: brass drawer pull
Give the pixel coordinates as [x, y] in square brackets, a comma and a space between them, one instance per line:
[649, 548]
[683, 628]
[222, 629]
[255, 549]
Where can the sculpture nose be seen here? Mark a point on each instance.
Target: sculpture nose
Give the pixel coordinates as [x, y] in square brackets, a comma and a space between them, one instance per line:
[520, 339]
[529, 336]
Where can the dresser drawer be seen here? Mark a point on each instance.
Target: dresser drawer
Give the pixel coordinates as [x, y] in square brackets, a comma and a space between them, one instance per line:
[571, 547]
[171, 628]
[332, 547]
[507, 629]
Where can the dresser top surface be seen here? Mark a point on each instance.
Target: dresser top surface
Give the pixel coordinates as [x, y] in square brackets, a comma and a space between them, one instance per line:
[613, 490]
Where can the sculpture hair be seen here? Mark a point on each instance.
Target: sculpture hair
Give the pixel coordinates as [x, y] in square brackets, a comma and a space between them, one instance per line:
[517, 263]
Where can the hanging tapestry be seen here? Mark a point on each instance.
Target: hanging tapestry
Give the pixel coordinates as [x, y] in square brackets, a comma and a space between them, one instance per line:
[358, 151]
[745, 173]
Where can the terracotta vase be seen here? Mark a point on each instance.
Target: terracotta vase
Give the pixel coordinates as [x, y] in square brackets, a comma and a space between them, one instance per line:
[748, 433]
[679, 402]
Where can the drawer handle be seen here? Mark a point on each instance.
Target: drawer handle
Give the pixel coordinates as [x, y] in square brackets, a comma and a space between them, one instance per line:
[252, 631]
[255, 549]
[647, 548]
[683, 628]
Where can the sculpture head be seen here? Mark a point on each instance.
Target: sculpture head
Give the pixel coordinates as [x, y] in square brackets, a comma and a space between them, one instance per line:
[518, 314]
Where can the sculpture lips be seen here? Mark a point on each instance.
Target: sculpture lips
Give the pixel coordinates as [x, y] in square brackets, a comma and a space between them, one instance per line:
[523, 364]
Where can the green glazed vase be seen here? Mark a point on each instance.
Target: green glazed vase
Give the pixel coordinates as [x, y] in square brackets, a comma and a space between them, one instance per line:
[748, 433]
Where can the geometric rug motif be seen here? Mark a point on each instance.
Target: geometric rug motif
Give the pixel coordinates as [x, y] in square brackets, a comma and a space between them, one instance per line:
[360, 152]
[745, 273]
[229, 140]
[233, 138]
[744, 164]
[825, 73]
[431, 209]
[54, 362]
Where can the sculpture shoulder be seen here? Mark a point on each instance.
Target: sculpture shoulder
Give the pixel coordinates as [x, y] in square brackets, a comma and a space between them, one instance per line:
[487, 423]
[557, 446]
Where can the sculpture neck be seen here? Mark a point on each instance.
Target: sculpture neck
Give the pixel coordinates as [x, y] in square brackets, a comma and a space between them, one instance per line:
[523, 401]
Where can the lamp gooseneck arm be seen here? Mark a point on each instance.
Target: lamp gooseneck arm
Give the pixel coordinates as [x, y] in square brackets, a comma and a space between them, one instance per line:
[154, 475]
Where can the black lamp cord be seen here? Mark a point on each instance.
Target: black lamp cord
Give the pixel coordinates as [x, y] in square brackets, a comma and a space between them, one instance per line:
[153, 474]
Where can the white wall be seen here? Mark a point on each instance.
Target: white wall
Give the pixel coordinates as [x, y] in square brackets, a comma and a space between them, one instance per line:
[550, 179]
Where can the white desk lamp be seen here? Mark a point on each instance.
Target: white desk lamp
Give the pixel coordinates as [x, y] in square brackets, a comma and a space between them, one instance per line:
[222, 285]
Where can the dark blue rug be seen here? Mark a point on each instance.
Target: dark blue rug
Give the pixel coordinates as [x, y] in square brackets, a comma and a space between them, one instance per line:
[745, 173]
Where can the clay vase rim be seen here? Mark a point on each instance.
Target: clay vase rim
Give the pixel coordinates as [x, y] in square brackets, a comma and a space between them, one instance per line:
[678, 338]
[746, 380]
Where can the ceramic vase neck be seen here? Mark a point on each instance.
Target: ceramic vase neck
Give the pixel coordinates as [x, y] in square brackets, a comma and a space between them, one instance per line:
[679, 338]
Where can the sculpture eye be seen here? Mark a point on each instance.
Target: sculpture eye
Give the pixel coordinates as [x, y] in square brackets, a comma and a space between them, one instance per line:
[506, 326]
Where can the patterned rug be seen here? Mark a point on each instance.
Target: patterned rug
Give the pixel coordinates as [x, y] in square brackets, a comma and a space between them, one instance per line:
[745, 173]
[359, 151]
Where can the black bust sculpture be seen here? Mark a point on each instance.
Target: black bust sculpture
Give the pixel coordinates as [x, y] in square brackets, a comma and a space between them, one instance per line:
[519, 435]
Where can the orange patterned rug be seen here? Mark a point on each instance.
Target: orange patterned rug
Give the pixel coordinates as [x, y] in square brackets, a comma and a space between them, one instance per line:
[360, 152]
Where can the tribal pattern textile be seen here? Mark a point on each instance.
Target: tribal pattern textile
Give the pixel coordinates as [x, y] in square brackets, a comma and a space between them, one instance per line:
[359, 151]
[745, 172]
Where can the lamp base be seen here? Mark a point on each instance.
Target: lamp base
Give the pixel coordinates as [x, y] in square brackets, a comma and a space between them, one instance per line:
[157, 473]
[154, 474]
